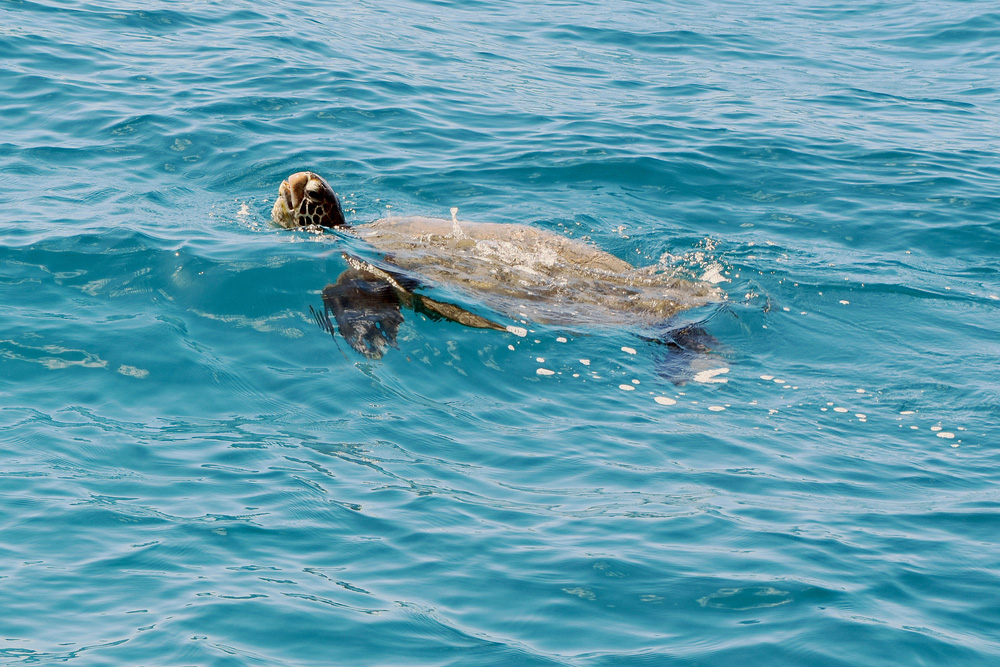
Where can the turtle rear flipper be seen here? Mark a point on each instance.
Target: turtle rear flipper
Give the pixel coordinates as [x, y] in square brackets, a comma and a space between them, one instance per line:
[686, 352]
[366, 308]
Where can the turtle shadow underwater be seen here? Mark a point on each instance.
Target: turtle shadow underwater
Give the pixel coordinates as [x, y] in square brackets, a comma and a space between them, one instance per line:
[515, 272]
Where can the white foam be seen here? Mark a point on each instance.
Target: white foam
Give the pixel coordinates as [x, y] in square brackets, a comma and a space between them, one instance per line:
[545, 371]
[520, 332]
[585, 362]
[716, 408]
[714, 275]
[456, 229]
[132, 371]
[766, 377]
[709, 376]
[946, 434]
[665, 400]
[840, 409]
[626, 387]
[630, 350]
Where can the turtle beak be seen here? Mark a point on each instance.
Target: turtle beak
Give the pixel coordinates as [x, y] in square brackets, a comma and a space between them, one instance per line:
[290, 195]
[294, 188]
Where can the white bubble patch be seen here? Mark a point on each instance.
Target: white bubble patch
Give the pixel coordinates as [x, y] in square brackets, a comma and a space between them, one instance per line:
[713, 274]
[710, 376]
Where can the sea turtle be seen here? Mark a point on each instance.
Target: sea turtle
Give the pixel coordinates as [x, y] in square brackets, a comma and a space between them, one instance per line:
[525, 273]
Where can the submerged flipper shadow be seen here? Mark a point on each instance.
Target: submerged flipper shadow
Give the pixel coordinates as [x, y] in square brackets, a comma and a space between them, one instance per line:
[366, 310]
[366, 303]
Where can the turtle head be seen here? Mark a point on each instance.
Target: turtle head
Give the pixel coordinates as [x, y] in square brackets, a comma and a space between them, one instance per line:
[306, 199]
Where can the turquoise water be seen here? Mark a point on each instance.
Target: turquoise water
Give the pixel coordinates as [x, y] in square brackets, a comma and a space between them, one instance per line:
[193, 473]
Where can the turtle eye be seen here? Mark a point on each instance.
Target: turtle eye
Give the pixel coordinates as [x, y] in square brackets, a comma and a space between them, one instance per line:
[316, 190]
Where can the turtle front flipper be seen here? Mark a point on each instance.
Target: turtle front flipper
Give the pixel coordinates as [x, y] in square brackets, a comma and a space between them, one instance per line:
[437, 310]
[366, 308]
[405, 286]
[366, 301]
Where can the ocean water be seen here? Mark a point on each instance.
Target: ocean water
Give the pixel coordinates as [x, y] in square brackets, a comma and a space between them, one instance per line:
[193, 473]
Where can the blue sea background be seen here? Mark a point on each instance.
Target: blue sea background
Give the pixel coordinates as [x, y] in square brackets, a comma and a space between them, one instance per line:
[193, 473]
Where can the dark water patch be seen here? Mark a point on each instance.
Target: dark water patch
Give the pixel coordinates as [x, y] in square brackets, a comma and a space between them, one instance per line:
[944, 35]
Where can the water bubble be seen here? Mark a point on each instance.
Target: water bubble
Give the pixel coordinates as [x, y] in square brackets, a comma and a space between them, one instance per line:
[709, 376]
